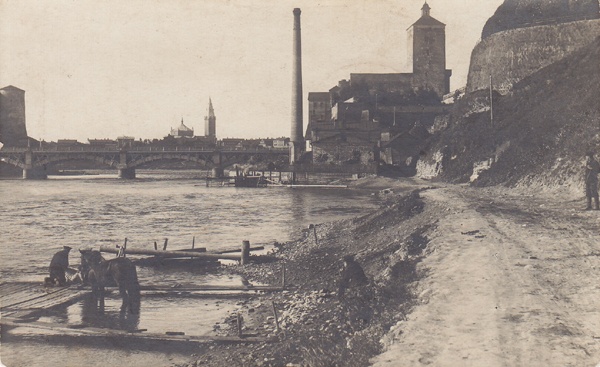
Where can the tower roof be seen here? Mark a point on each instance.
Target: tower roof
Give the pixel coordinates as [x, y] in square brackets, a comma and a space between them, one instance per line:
[426, 19]
[12, 87]
[211, 110]
[182, 127]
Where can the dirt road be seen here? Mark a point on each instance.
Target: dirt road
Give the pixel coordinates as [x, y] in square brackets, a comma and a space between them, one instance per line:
[513, 280]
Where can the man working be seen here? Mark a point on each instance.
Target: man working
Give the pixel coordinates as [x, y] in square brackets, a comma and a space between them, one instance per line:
[352, 275]
[591, 180]
[58, 266]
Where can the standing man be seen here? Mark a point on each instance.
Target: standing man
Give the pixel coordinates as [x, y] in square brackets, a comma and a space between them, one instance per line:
[592, 168]
[59, 264]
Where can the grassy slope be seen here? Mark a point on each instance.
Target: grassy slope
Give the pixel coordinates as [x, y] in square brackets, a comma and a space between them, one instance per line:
[541, 130]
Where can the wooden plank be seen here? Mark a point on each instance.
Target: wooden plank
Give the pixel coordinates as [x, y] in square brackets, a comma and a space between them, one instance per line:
[38, 297]
[18, 298]
[11, 287]
[171, 254]
[237, 249]
[82, 330]
[55, 300]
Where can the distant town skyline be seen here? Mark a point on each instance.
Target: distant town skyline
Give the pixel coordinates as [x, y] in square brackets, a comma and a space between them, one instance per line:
[106, 69]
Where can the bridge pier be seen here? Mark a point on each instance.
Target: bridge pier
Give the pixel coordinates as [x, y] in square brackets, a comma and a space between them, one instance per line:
[34, 173]
[127, 173]
[218, 172]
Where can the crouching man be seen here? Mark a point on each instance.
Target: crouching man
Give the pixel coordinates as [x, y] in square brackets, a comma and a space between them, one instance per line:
[58, 267]
[352, 275]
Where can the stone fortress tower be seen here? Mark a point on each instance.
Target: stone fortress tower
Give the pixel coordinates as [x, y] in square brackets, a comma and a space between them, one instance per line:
[13, 131]
[427, 54]
[210, 121]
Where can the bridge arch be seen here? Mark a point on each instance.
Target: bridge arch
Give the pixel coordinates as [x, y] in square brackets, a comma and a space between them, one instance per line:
[138, 162]
[46, 160]
[13, 162]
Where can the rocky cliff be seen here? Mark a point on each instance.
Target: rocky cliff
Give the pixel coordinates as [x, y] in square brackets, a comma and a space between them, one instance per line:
[539, 135]
[525, 13]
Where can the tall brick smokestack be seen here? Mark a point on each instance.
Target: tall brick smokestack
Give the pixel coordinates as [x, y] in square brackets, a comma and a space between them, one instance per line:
[297, 137]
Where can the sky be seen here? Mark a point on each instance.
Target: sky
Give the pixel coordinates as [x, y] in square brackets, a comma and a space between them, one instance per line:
[103, 69]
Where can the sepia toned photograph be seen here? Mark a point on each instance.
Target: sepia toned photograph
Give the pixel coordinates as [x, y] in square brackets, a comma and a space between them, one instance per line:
[275, 183]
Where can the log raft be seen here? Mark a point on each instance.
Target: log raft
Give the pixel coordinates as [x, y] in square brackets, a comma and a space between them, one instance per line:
[173, 254]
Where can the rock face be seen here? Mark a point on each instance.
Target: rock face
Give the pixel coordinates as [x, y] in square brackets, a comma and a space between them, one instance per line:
[540, 132]
[525, 13]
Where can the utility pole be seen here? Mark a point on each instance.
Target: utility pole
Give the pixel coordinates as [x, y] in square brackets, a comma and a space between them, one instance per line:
[491, 102]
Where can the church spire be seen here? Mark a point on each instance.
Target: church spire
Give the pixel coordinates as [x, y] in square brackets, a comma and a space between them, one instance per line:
[210, 121]
[211, 111]
[425, 9]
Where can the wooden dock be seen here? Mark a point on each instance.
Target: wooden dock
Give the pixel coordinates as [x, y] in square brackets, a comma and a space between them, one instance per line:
[21, 303]
[27, 297]
[142, 334]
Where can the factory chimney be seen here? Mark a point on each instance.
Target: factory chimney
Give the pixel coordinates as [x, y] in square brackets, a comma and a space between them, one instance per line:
[297, 137]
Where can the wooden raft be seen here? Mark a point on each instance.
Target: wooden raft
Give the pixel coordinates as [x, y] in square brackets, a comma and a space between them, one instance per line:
[23, 297]
[86, 331]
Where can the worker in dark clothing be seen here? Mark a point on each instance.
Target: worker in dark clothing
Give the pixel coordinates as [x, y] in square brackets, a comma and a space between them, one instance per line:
[58, 266]
[592, 168]
[352, 275]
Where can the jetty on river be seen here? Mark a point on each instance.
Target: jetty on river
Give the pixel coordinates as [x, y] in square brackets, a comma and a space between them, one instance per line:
[23, 303]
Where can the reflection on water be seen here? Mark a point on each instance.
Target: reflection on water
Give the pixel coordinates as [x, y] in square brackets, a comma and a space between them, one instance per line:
[39, 217]
[107, 317]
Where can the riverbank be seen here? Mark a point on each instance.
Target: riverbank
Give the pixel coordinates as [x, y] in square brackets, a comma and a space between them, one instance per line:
[318, 328]
[459, 276]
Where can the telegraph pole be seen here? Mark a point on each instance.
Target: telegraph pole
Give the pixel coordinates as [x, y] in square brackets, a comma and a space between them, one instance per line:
[491, 102]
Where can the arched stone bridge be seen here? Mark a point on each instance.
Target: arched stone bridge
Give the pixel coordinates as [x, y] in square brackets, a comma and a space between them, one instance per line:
[33, 162]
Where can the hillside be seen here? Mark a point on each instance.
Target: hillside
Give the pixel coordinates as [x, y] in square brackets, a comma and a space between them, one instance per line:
[524, 13]
[540, 133]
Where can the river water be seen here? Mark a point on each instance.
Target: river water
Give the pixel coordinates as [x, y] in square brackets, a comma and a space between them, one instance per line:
[39, 217]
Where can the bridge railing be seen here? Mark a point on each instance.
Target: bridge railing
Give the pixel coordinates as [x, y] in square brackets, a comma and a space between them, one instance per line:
[84, 148]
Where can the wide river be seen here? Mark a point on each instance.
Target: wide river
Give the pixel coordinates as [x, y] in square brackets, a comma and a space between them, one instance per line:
[39, 217]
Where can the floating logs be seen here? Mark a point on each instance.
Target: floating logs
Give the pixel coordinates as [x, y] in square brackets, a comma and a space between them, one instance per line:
[243, 257]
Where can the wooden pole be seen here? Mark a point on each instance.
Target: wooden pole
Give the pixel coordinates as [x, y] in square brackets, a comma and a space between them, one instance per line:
[275, 316]
[245, 256]
[283, 275]
[193, 242]
[314, 228]
[240, 321]
[155, 246]
[491, 101]
[165, 244]
[121, 252]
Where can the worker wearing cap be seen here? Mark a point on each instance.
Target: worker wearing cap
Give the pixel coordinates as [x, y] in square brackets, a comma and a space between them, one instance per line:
[352, 275]
[59, 264]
